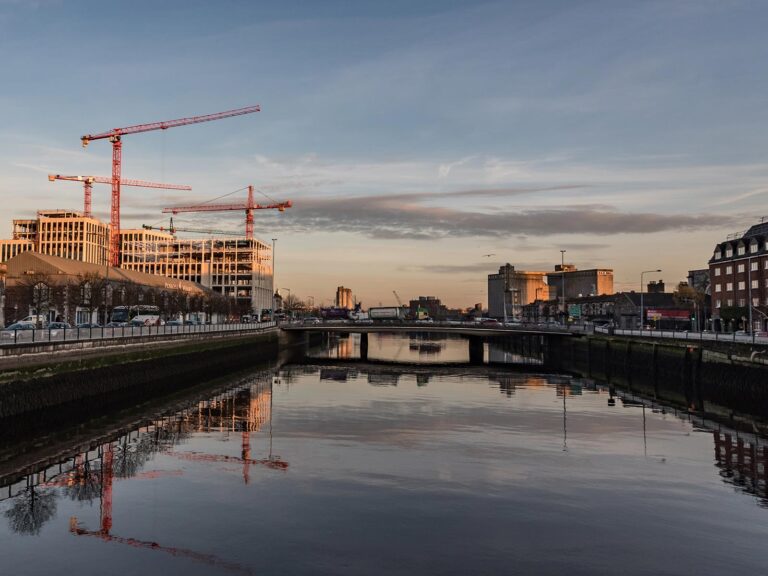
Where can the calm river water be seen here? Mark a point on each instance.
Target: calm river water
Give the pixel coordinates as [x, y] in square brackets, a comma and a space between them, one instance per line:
[366, 469]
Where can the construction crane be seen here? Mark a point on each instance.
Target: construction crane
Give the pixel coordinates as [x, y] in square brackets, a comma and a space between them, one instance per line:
[248, 206]
[115, 137]
[89, 181]
[171, 229]
[397, 297]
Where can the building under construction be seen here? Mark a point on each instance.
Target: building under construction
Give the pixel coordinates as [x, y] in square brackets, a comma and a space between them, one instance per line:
[239, 268]
[63, 233]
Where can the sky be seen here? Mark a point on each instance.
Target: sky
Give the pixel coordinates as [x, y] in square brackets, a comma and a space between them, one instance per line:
[422, 143]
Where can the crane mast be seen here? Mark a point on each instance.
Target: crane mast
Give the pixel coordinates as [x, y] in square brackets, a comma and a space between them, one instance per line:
[115, 137]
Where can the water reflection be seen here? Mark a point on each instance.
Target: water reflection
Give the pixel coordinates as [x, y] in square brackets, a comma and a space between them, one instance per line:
[742, 463]
[430, 450]
[427, 348]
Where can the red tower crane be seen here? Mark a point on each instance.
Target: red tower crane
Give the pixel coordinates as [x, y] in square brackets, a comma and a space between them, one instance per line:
[89, 181]
[115, 137]
[248, 206]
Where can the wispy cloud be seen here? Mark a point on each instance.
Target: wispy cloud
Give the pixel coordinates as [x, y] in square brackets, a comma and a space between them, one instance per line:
[385, 217]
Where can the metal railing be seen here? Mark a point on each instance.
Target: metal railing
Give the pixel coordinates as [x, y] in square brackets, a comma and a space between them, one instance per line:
[744, 337]
[45, 335]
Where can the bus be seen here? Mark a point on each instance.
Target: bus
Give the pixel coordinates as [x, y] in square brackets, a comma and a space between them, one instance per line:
[140, 315]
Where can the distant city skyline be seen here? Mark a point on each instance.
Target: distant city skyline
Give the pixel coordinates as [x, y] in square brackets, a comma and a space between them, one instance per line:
[424, 144]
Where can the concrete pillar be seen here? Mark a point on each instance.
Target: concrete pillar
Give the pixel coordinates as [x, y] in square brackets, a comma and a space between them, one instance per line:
[476, 350]
[364, 346]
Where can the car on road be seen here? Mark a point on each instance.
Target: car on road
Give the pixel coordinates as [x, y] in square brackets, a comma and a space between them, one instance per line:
[88, 325]
[311, 320]
[173, 323]
[491, 323]
[59, 326]
[116, 324]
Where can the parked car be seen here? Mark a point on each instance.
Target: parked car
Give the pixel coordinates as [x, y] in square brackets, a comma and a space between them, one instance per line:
[116, 324]
[12, 330]
[88, 325]
[59, 326]
[173, 323]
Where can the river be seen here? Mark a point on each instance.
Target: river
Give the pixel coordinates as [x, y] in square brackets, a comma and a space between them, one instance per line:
[337, 467]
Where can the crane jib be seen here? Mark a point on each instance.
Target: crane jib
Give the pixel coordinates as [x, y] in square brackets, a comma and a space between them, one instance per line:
[164, 125]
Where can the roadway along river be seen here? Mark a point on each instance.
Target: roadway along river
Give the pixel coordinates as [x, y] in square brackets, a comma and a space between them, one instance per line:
[378, 469]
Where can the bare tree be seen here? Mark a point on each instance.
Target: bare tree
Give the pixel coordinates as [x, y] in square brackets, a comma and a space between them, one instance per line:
[31, 509]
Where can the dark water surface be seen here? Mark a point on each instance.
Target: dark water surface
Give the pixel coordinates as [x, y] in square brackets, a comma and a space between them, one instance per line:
[361, 470]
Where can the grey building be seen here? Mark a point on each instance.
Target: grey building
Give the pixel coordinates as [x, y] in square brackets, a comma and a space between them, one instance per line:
[509, 290]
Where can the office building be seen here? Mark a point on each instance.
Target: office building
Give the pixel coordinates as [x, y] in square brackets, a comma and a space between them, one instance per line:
[579, 283]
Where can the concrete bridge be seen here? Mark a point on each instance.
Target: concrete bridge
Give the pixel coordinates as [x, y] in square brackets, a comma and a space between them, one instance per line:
[534, 339]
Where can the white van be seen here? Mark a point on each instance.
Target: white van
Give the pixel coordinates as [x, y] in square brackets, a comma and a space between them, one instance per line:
[37, 320]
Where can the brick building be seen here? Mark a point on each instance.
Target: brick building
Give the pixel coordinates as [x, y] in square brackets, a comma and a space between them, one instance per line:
[738, 272]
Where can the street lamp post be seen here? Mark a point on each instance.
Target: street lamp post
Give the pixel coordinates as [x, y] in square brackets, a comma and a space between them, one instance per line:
[641, 293]
[274, 317]
[562, 274]
[749, 295]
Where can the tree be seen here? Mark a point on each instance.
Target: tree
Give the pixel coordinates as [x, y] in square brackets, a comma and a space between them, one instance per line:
[90, 292]
[34, 291]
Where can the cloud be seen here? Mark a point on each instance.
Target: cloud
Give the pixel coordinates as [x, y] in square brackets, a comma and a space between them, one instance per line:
[400, 217]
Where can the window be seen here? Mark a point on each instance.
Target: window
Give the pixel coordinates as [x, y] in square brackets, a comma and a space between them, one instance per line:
[753, 266]
[729, 252]
[718, 286]
[718, 303]
[742, 301]
[740, 268]
[753, 246]
[755, 301]
[717, 270]
[755, 284]
[729, 286]
[729, 302]
[742, 285]
[718, 254]
[741, 249]
[729, 269]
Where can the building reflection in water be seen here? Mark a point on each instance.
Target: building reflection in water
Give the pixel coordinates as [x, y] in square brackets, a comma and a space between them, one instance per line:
[742, 463]
[90, 475]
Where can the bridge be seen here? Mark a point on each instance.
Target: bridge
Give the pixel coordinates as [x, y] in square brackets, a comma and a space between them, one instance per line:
[538, 340]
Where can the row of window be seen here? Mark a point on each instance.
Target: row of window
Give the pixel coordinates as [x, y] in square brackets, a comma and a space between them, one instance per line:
[741, 286]
[741, 249]
[753, 266]
[741, 302]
